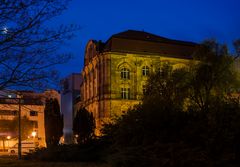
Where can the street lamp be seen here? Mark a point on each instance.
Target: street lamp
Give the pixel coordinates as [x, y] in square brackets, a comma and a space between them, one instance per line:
[8, 138]
[34, 134]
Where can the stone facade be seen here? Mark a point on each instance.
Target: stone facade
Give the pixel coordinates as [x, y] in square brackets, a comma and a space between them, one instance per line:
[115, 72]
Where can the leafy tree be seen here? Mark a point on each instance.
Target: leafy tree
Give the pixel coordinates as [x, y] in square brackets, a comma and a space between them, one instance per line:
[29, 45]
[168, 87]
[213, 76]
[53, 121]
[187, 117]
[84, 125]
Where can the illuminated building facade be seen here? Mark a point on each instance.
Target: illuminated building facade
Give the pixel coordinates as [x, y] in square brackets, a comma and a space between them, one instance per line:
[115, 72]
[32, 107]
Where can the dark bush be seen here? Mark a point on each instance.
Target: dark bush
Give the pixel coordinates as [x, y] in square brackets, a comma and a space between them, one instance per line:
[92, 151]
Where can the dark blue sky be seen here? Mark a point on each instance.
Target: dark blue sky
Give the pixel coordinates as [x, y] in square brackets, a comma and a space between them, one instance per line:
[191, 20]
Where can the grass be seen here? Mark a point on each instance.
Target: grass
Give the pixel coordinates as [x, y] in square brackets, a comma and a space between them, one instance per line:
[13, 162]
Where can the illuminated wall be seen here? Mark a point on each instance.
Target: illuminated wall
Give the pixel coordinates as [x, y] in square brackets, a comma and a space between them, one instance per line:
[32, 106]
[114, 77]
[105, 81]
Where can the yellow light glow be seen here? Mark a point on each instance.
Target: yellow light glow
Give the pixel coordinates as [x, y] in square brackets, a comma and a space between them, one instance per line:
[8, 137]
[34, 134]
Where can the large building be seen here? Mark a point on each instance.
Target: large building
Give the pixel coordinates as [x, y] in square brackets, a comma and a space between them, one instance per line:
[115, 72]
[32, 106]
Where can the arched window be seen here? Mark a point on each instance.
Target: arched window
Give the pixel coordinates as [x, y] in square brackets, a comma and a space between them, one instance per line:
[125, 73]
[145, 71]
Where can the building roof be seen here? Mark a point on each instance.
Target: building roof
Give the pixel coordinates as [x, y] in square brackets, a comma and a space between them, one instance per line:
[144, 42]
[145, 36]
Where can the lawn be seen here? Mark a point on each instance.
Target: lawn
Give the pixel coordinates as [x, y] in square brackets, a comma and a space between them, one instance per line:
[13, 162]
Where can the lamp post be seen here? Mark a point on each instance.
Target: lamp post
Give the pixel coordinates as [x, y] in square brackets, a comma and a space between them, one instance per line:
[8, 138]
[34, 134]
[19, 130]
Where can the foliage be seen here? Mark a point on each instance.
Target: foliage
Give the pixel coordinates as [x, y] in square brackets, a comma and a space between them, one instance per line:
[187, 118]
[53, 122]
[29, 45]
[213, 76]
[93, 151]
[84, 125]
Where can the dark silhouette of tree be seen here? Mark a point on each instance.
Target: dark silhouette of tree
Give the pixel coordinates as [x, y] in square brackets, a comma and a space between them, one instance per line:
[187, 117]
[84, 125]
[29, 45]
[53, 121]
[213, 76]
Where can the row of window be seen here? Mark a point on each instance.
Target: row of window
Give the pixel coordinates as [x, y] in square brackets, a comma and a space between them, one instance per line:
[125, 72]
[125, 92]
[14, 112]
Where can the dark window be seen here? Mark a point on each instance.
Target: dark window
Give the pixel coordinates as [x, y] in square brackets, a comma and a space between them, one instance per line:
[33, 113]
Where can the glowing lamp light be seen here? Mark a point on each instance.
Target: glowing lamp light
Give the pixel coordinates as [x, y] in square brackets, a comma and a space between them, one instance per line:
[34, 134]
[8, 137]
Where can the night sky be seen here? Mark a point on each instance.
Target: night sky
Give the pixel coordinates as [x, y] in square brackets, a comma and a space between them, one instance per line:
[190, 20]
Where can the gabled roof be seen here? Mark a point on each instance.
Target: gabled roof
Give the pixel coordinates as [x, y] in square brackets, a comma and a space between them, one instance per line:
[145, 36]
[142, 42]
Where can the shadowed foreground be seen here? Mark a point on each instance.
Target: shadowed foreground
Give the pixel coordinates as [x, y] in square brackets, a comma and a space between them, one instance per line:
[13, 162]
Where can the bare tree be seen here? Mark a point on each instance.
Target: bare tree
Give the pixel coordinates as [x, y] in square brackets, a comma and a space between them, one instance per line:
[28, 45]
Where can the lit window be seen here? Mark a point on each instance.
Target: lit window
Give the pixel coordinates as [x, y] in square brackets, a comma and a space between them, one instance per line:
[145, 71]
[33, 113]
[125, 93]
[125, 74]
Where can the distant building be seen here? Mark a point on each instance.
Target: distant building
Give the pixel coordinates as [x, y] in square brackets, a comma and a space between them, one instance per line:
[70, 93]
[115, 72]
[32, 106]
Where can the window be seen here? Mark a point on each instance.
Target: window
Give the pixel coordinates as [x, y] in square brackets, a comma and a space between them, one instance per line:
[8, 112]
[33, 113]
[125, 92]
[145, 71]
[125, 74]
